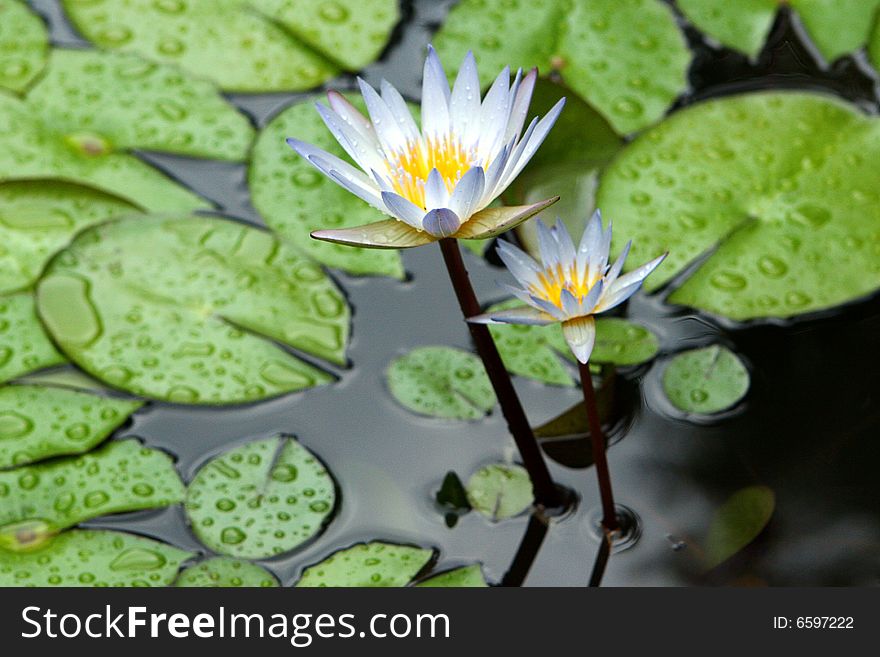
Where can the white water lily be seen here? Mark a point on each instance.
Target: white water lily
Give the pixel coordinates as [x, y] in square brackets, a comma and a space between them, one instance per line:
[571, 284]
[437, 181]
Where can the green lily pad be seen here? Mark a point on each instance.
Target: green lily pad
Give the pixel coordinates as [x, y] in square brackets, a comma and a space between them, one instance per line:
[39, 422]
[779, 189]
[225, 572]
[441, 382]
[39, 217]
[373, 564]
[627, 59]
[533, 351]
[253, 45]
[83, 557]
[186, 310]
[738, 522]
[64, 376]
[707, 380]
[500, 491]
[24, 45]
[836, 27]
[295, 199]
[121, 476]
[24, 345]
[260, 500]
[458, 578]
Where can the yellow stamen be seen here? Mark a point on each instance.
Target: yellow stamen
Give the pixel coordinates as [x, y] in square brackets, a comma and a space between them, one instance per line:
[553, 280]
[409, 168]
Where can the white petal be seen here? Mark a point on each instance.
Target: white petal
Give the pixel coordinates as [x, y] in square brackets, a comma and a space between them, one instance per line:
[569, 303]
[617, 296]
[350, 114]
[516, 151]
[524, 315]
[614, 272]
[580, 334]
[567, 253]
[467, 194]
[493, 115]
[589, 302]
[548, 307]
[464, 104]
[384, 123]
[639, 274]
[435, 97]
[494, 174]
[535, 140]
[441, 222]
[398, 107]
[522, 98]
[308, 151]
[403, 209]
[548, 245]
[522, 295]
[436, 195]
[364, 152]
[523, 268]
[363, 192]
[588, 247]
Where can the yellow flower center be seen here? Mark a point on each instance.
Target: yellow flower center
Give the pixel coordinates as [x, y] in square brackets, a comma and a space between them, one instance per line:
[409, 168]
[553, 280]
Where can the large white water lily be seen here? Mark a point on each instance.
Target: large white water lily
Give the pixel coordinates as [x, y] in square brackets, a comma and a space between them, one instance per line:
[437, 181]
[571, 284]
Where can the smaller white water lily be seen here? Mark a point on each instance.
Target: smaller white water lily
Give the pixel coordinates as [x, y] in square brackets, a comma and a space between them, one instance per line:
[436, 180]
[571, 284]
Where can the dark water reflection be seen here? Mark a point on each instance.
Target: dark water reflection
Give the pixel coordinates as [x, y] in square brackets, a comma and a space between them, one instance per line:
[809, 428]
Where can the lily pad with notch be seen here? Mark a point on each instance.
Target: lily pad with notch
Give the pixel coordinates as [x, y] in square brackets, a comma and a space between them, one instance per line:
[24, 45]
[226, 573]
[373, 564]
[189, 310]
[84, 557]
[500, 491]
[705, 381]
[247, 45]
[760, 215]
[261, 499]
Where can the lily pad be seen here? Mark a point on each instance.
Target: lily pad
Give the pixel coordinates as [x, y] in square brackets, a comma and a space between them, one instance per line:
[39, 217]
[82, 557]
[225, 572]
[24, 345]
[38, 422]
[705, 381]
[260, 500]
[774, 194]
[459, 578]
[65, 376]
[244, 45]
[121, 476]
[188, 310]
[373, 564]
[738, 522]
[24, 45]
[836, 27]
[441, 382]
[500, 491]
[627, 59]
[296, 199]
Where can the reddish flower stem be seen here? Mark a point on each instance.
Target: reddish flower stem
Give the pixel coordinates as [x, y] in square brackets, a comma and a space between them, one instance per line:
[598, 444]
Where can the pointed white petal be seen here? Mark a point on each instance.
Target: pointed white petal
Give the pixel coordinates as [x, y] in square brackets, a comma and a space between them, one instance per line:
[403, 209]
[617, 296]
[390, 135]
[592, 298]
[350, 114]
[534, 142]
[328, 160]
[465, 198]
[639, 274]
[493, 115]
[548, 307]
[388, 234]
[567, 252]
[436, 195]
[522, 98]
[464, 104]
[435, 97]
[398, 107]
[522, 267]
[547, 245]
[494, 174]
[580, 334]
[364, 152]
[524, 315]
[570, 304]
[588, 247]
[616, 268]
[522, 295]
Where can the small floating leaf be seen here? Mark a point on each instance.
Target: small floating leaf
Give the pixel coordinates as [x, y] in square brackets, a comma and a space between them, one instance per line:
[83, 557]
[441, 382]
[295, 199]
[738, 522]
[24, 45]
[459, 578]
[787, 225]
[628, 59]
[254, 45]
[39, 217]
[500, 491]
[260, 500]
[24, 345]
[707, 380]
[373, 564]
[225, 572]
[121, 476]
[621, 342]
[186, 310]
[37, 422]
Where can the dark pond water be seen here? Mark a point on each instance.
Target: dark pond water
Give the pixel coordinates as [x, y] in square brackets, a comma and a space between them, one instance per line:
[809, 428]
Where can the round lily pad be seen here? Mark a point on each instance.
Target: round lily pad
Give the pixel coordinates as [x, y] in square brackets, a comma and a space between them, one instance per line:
[458, 578]
[627, 59]
[24, 45]
[225, 572]
[121, 476]
[773, 193]
[83, 557]
[500, 491]
[38, 422]
[24, 345]
[738, 522]
[38, 218]
[441, 382]
[189, 310]
[260, 500]
[253, 45]
[707, 380]
[295, 199]
[373, 564]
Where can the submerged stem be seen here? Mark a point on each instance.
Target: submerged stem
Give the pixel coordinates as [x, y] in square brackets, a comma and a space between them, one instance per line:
[546, 493]
[598, 443]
